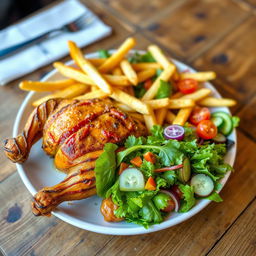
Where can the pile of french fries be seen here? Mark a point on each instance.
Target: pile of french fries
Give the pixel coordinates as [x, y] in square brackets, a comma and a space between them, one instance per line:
[115, 77]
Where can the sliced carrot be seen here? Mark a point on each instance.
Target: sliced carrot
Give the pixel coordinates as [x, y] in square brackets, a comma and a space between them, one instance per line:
[150, 157]
[137, 161]
[151, 184]
[122, 167]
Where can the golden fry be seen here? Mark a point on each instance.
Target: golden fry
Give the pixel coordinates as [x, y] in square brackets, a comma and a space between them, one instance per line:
[131, 101]
[216, 102]
[88, 68]
[182, 116]
[118, 56]
[199, 76]
[180, 103]
[177, 95]
[117, 71]
[45, 86]
[160, 115]
[79, 76]
[145, 74]
[197, 95]
[67, 93]
[165, 76]
[159, 103]
[97, 62]
[158, 55]
[129, 72]
[170, 117]
[125, 107]
[146, 65]
[92, 95]
[150, 120]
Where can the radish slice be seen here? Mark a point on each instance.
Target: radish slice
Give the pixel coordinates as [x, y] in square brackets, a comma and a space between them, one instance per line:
[174, 132]
[174, 198]
[169, 168]
[202, 184]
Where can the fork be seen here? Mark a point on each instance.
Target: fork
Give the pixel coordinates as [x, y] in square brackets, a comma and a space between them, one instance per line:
[80, 23]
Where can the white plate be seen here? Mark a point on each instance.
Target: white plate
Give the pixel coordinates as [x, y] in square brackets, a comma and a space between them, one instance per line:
[38, 171]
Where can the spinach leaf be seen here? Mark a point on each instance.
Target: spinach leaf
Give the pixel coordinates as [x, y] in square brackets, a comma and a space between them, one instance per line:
[105, 169]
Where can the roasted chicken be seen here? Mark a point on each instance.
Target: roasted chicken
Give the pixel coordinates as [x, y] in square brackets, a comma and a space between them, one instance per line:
[74, 132]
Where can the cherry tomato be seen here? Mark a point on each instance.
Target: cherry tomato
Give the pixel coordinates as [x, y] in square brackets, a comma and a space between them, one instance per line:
[170, 206]
[206, 129]
[175, 189]
[147, 84]
[199, 114]
[187, 86]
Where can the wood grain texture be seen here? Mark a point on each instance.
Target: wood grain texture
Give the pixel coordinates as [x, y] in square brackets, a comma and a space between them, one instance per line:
[241, 237]
[195, 25]
[234, 62]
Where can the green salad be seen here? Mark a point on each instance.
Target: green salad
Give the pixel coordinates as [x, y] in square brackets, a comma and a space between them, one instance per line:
[154, 176]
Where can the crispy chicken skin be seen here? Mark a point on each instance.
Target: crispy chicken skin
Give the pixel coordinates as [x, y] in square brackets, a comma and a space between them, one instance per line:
[74, 132]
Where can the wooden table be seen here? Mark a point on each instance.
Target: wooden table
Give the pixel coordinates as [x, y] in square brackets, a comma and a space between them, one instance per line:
[206, 34]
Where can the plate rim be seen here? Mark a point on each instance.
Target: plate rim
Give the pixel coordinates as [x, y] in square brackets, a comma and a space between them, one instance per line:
[111, 230]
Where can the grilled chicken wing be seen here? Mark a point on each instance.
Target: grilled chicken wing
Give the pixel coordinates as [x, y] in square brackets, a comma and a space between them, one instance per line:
[74, 132]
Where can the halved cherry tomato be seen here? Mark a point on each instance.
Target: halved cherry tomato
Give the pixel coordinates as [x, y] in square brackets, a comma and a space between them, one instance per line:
[175, 189]
[188, 85]
[150, 157]
[199, 114]
[206, 129]
[147, 84]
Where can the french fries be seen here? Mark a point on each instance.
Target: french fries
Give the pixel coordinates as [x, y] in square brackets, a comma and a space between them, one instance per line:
[118, 56]
[180, 103]
[145, 65]
[88, 68]
[129, 72]
[165, 76]
[146, 74]
[197, 95]
[69, 92]
[182, 116]
[117, 78]
[150, 119]
[199, 76]
[159, 103]
[45, 86]
[92, 95]
[215, 102]
[79, 76]
[131, 101]
[160, 115]
[170, 117]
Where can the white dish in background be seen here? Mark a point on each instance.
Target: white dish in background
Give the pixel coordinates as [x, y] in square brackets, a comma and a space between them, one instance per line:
[38, 171]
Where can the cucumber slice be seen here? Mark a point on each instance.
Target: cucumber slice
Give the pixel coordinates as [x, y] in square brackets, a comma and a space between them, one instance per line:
[217, 120]
[131, 179]
[202, 184]
[227, 127]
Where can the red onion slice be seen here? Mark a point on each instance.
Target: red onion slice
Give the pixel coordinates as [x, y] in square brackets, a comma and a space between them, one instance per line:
[174, 198]
[169, 168]
[174, 132]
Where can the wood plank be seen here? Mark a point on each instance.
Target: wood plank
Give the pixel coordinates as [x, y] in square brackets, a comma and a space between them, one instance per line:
[240, 238]
[38, 235]
[252, 3]
[198, 234]
[234, 62]
[141, 12]
[195, 25]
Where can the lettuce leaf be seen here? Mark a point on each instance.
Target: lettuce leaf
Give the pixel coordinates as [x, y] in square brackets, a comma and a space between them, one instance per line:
[137, 58]
[104, 54]
[215, 197]
[164, 90]
[105, 169]
[188, 200]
